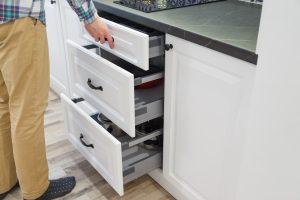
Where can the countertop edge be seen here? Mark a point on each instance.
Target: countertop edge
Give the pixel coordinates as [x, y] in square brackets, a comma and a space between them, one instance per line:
[227, 49]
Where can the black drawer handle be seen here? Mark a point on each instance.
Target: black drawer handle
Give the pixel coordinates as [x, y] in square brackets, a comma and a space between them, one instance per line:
[84, 143]
[168, 47]
[113, 39]
[89, 82]
[106, 40]
[53, 2]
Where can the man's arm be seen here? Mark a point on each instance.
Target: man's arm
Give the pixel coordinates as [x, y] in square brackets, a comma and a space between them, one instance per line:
[87, 13]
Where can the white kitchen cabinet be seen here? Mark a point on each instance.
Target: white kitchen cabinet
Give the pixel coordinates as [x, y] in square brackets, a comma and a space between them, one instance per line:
[58, 66]
[207, 98]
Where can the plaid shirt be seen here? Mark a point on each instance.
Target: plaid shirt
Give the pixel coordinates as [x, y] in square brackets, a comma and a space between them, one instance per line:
[15, 9]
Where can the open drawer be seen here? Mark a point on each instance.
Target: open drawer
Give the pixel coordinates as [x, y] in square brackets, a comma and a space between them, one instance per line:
[112, 89]
[117, 160]
[135, 45]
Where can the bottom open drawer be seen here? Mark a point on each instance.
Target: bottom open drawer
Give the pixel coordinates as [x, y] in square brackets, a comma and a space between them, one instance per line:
[118, 159]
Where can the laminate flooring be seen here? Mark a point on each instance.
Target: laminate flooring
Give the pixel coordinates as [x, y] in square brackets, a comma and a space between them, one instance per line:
[64, 160]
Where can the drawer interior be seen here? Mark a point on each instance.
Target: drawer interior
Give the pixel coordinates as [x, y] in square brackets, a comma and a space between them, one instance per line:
[155, 72]
[141, 28]
[144, 132]
[138, 161]
[148, 134]
[134, 43]
[140, 154]
[146, 96]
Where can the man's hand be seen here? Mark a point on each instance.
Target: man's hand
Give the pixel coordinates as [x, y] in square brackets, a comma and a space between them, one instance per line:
[99, 31]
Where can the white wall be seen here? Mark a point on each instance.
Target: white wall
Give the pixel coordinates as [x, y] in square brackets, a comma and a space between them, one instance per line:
[271, 165]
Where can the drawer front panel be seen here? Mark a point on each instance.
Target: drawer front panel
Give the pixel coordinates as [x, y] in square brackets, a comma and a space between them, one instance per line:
[103, 84]
[130, 45]
[100, 148]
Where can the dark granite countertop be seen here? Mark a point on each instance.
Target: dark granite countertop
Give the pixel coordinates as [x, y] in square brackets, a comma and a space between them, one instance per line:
[230, 27]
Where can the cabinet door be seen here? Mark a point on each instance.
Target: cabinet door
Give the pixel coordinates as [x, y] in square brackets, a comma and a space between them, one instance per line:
[206, 104]
[58, 70]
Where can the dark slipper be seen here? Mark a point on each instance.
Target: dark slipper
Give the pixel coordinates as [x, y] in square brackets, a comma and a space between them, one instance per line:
[58, 188]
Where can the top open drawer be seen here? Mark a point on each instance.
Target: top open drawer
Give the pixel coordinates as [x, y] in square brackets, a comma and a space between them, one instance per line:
[133, 43]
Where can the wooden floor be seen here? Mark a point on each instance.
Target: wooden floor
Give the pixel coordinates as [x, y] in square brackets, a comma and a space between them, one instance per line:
[65, 160]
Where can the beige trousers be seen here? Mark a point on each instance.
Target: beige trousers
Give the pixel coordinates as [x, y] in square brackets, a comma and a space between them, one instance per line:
[24, 87]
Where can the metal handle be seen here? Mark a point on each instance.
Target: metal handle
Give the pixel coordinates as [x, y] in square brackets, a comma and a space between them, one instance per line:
[84, 143]
[89, 82]
[168, 47]
[53, 2]
[113, 39]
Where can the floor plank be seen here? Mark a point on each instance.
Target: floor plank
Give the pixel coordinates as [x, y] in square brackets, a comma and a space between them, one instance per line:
[64, 160]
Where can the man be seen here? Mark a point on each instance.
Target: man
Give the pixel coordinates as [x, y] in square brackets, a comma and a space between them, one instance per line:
[24, 86]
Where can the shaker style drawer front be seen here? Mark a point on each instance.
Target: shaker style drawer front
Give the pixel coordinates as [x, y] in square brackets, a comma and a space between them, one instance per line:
[104, 85]
[132, 45]
[119, 159]
[105, 155]
[111, 89]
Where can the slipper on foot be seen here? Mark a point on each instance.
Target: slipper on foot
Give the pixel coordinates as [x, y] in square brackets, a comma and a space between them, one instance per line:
[58, 188]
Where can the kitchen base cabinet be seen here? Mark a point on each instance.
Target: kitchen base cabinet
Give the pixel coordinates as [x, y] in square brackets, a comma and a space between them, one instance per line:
[58, 65]
[204, 104]
[207, 98]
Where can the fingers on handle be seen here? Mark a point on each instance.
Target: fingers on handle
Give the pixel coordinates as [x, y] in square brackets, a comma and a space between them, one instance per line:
[110, 40]
[102, 38]
[97, 39]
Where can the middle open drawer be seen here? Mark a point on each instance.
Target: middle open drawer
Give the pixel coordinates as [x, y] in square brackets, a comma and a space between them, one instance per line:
[115, 90]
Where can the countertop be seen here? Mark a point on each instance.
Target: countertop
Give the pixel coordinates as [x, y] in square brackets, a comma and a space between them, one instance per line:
[230, 26]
